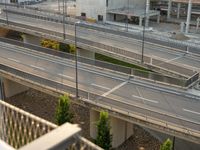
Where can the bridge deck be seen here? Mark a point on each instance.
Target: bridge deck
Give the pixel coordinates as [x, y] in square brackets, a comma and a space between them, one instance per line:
[120, 94]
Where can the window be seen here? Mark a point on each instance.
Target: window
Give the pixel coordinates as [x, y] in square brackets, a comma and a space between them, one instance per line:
[83, 14]
[100, 18]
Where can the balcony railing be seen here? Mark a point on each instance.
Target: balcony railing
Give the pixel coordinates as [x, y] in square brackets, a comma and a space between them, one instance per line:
[24, 131]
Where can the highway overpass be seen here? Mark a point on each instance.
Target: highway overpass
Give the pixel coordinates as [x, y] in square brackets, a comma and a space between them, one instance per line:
[125, 47]
[164, 109]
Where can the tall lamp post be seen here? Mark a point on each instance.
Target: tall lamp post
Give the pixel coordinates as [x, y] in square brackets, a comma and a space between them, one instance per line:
[143, 33]
[63, 19]
[76, 58]
[6, 11]
[173, 146]
[59, 6]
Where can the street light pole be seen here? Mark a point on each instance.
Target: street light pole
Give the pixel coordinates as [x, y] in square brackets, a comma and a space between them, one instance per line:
[173, 147]
[59, 6]
[6, 12]
[76, 59]
[143, 38]
[64, 19]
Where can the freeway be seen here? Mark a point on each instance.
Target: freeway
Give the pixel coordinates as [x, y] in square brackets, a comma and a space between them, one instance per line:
[121, 92]
[157, 55]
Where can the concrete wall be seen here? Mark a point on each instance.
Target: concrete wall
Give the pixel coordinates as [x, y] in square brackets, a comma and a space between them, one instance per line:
[12, 88]
[86, 53]
[92, 8]
[31, 39]
[121, 131]
[94, 116]
[137, 4]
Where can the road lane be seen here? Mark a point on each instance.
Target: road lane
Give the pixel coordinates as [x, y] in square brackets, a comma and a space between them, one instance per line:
[167, 103]
[117, 41]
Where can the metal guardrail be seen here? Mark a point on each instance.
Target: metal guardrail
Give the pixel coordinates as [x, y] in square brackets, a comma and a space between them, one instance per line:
[154, 38]
[129, 71]
[25, 131]
[148, 60]
[131, 55]
[160, 118]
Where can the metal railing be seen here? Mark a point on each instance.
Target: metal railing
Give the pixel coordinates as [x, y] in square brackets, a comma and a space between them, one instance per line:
[152, 61]
[183, 82]
[160, 118]
[19, 127]
[24, 131]
[154, 38]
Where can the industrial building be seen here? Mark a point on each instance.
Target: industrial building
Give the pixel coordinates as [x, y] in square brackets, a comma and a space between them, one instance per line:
[134, 11]
[116, 10]
[186, 10]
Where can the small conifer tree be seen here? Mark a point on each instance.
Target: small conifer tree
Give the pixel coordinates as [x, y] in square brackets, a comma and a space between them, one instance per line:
[63, 113]
[104, 138]
[167, 145]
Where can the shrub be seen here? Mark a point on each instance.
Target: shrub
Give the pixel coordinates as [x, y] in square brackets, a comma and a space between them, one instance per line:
[63, 113]
[104, 138]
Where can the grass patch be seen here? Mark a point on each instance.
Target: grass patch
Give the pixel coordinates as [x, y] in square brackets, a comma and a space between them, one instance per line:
[119, 62]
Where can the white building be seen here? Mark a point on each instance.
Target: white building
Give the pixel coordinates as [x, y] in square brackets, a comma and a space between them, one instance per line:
[192, 8]
[115, 10]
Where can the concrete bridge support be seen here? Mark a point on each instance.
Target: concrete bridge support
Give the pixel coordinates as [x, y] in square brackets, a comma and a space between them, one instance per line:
[12, 88]
[178, 10]
[169, 9]
[31, 39]
[147, 13]
[121, 130]
[188, 16]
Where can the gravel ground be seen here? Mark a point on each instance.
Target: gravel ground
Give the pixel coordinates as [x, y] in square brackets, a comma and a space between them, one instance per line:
[44, 105]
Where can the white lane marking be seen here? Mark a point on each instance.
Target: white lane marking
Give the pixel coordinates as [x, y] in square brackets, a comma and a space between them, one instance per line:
[103, 87]
[191, 111]
[115, 88]
[167, 61]
[139, 92]
[15, 60]
[175, 58]
[37, 67]
[65, 76]
[145, 99]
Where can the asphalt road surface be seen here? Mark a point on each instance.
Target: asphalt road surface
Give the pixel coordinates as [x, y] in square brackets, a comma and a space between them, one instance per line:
[155, 51]
[121, 92]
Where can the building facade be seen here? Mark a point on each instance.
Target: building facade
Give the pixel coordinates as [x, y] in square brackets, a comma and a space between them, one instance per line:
[115, 10]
